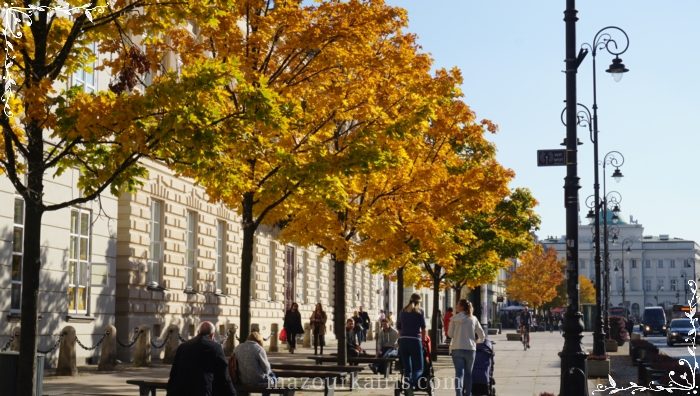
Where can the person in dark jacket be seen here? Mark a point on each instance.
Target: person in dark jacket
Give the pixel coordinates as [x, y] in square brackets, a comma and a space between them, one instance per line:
[365, 323]
[318, 328]
[292, 325]
[200, 367]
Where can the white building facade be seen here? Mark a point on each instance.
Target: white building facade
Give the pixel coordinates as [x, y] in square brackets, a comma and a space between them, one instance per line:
[653, 270]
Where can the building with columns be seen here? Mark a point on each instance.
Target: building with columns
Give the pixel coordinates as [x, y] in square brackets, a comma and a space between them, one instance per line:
[651, 269]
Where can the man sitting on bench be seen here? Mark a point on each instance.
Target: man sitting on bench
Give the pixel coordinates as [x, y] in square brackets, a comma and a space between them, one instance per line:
[253, 366]
[387, 346]
[200, 367]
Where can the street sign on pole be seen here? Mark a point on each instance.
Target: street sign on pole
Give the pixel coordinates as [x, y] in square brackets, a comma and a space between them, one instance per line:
[556, 157]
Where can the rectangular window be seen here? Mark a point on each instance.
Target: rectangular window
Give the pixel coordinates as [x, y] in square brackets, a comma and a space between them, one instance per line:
[220, 255]
[191, 249]
[674, 285]
[303, 273]
[155, 250]
[86, 77]
[660, 264]
[271, 270]
[647, 284]
[79, 260]
[660, 284]
[673, 264]
[633, 263]
[686, 263]
[17, 255]
[647, 263]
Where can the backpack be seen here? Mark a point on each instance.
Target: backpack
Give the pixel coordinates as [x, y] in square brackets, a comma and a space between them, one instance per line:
[233, 368]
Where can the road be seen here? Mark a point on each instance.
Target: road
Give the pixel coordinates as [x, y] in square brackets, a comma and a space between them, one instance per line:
[682, 351]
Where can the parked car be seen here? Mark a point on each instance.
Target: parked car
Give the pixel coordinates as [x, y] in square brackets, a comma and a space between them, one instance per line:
[678, 331]
[653, 321]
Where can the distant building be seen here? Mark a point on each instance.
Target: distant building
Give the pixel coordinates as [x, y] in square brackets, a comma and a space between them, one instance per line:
[656, 268]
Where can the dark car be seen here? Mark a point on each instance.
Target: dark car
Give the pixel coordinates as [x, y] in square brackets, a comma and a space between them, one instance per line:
[653, 321]
[678, 331]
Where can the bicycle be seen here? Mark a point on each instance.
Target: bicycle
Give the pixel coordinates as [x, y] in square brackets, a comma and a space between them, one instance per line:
[525, 337]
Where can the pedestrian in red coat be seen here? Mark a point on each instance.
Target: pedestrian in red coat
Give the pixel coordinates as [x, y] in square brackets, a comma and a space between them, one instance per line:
[446, 320]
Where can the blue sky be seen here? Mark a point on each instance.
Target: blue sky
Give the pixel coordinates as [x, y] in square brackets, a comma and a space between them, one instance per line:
[511, 53]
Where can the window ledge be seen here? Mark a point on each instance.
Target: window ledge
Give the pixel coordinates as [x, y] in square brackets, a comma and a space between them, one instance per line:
[156, 288]
[16, 317]
[190, 291]
[78, 318]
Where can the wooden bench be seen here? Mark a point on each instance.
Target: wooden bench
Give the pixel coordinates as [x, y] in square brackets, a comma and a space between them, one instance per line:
[149, 387]
[329, 378]
[389, 361]
[352, 370]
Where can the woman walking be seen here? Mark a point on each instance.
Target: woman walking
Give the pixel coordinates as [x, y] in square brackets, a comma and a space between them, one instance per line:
[463, 330]
[411, 325]
[292, 325]
[318, 328]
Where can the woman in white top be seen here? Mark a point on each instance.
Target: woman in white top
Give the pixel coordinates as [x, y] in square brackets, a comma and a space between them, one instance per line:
[464, 330]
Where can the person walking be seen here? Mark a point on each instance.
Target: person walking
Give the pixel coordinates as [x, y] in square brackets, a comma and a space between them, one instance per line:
[292, 325]
[200, 367]
[318, 328]
[366, 322]
[411, 325]
[464, 331]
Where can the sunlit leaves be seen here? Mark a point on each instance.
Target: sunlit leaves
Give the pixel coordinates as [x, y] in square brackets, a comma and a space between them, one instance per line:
[536, 278]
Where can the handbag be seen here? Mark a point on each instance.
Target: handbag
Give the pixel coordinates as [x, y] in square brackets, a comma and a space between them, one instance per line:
[283, 335]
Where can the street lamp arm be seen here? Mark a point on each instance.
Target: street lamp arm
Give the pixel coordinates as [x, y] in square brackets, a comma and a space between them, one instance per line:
[604, 40]
[614, 158]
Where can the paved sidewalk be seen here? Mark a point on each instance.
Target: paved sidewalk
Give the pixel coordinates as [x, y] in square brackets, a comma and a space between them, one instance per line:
[517, 372]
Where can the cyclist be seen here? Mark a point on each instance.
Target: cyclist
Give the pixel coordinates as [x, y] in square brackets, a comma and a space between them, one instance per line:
[525, 323]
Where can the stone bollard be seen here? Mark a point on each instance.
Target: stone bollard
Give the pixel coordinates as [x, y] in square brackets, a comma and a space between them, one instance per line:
[173, 335]
[16, 336]
[230, 343]
[274, 333]
[66, 353]
[108, 351]
[142, 352]
[307, 336]
[370, 335]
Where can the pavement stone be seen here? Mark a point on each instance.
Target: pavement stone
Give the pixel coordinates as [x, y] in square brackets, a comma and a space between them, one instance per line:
[517, 372]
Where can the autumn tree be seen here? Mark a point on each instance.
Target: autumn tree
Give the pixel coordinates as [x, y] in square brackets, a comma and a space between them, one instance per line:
[319, 84]
[48, 128]
[586, 293]
[536, 279]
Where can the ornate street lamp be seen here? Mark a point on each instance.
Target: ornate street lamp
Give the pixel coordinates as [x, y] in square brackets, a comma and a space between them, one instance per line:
[603, 40]
[625, 242]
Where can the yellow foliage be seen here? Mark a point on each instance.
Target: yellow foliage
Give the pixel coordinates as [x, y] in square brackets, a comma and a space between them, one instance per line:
[536, 279]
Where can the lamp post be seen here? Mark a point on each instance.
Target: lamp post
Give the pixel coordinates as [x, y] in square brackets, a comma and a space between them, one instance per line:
[603, 40]
[573, 375]
[613, 199]
[685, 288]
[628, 242]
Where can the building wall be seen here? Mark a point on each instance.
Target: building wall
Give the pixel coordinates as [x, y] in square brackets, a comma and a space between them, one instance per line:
[646, 283]
[138, 305]
[54, 280]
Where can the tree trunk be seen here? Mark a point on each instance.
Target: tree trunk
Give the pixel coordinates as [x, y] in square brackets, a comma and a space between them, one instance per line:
[249, 227]
[339, 310]
[437, 273]
[458, 293]
[31, 267]
[399, 293]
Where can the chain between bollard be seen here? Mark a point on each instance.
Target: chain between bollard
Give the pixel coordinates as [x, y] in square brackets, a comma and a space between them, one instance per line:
[179, 337]
[53, 348]
[94, 346]
[129, 345]
[7, 345]
[153, 344]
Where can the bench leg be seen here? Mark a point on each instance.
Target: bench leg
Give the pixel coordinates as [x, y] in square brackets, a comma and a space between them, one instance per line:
[145, 390]
[329, 387]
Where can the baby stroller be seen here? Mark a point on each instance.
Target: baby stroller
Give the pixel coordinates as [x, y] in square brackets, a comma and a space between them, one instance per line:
[425, 381]
[483, 383]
